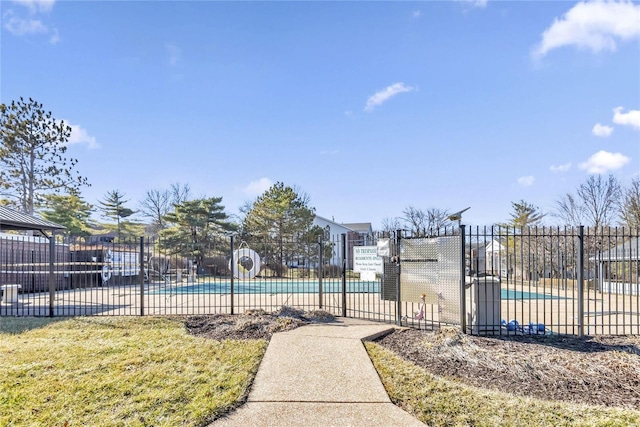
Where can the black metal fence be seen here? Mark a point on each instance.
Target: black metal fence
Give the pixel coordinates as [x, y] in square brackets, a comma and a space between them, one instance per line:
[563, 280]
[488, 280]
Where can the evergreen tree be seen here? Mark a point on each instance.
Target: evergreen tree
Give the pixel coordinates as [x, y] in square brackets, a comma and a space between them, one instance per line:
[69, 210]
[32, 148]
[280, 214]
[195, 225]
[525, 215]
[113, 207]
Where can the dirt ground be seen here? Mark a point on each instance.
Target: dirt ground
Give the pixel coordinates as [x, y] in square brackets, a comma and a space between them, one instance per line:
[603, 370]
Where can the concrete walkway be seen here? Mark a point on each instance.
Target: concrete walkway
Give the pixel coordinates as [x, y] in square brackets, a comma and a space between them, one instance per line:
[319, 375]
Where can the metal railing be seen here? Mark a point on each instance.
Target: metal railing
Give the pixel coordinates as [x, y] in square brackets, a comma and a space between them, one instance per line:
[576, 281]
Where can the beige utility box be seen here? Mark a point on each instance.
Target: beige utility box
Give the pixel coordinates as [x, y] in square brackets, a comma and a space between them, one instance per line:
[483, 300]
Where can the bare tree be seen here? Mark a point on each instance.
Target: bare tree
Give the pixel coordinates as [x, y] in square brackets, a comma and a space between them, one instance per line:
[421, 222]
[415, 219]
[437, 219]
[600, 198]
[596, 202]
[390, 225]
[155, 206]
[180, 193]
[569, 210]
[630, 206]
[158, 203]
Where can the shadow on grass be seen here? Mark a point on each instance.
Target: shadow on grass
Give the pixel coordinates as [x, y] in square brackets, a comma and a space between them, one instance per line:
[17, 325]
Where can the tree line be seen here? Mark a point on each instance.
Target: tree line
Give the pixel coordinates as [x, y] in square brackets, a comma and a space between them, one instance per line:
[597, 202]
[38, 177]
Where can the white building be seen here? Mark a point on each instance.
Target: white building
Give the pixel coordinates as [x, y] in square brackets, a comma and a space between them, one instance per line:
[357, 234]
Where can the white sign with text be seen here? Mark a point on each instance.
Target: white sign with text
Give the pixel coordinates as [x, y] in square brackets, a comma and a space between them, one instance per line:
[366, 259]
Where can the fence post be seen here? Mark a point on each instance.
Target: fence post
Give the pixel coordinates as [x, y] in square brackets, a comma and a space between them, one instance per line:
[581, 281]
[232, 264]
[52, 280]
[344, 275]
[463, 272]
[399, 271]
[320, 269]
[141, 275]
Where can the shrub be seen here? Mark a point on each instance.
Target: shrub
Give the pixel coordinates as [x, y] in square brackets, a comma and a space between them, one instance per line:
[217, 266]
[332, 271]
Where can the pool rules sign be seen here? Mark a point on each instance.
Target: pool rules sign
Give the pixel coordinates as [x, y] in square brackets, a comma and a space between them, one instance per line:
[367, 262]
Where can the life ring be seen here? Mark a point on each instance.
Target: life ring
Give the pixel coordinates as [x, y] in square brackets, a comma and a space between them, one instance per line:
[240, 257]
[106, 273]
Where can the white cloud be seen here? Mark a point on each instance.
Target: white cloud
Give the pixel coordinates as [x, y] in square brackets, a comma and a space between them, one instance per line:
[632, 118]
[20, 27]
[560, 168]
[174, 53]
[416, 13]
[256, 188]
[55, 37]
[601, 130]
[36, 5]
[526, 181]
[476, 3]
[79, 135]
[385, 94]
[604, 161]
[594, 25]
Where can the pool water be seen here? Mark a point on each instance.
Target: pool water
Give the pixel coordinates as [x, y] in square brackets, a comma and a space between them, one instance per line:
[522, 295]
[270, 287]
[309, 287]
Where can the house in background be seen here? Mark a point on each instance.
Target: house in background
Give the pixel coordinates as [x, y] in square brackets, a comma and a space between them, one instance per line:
[332, 230]
[358, 234]
[487, 258]
[364, 232]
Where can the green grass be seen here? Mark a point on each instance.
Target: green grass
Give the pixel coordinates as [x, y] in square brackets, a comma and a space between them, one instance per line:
[104, 371]
[440, 402]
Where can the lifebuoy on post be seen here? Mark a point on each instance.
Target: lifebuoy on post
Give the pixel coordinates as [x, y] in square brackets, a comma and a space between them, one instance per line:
[106, 273]
[246, 263]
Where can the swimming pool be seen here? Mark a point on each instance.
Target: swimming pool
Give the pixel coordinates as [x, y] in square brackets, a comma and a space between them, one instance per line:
[270, 287]
[309, 287]
[524, 295]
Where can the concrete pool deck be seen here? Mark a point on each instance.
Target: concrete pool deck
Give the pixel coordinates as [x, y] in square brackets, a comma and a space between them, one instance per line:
[604, 313]
[319, 375]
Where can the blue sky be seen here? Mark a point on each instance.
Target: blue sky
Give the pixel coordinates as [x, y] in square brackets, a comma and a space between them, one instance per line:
[369, 107]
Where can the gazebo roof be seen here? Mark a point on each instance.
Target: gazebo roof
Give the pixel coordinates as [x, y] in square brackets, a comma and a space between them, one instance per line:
[14, 220]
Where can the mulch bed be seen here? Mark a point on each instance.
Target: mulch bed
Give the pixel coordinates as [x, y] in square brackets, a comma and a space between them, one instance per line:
[253, 324]
[602, 370]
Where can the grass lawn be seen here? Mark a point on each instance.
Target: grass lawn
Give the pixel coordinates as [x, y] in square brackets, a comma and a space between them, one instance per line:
[440, 402]
[105, 371]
